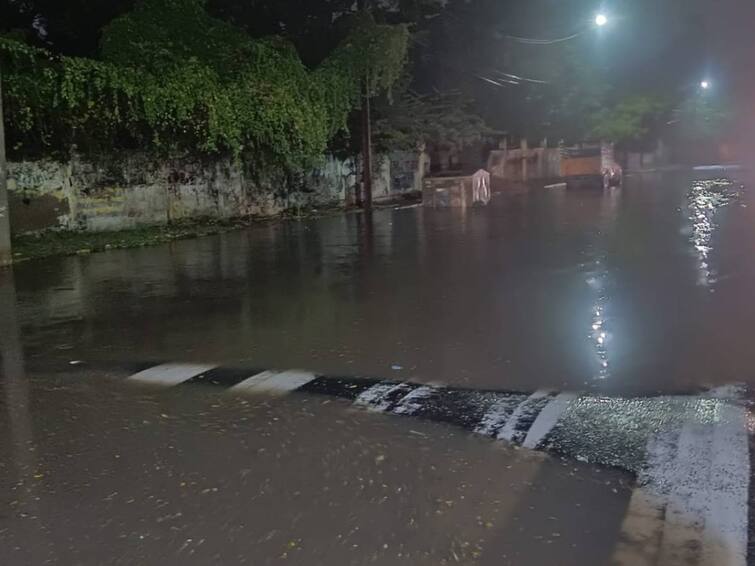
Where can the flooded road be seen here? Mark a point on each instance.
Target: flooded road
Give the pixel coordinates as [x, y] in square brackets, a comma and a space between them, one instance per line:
[119, 475]
[637, 290]
[116, 459]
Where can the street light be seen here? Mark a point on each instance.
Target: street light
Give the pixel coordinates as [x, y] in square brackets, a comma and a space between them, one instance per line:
[705, 85]
[600, 21]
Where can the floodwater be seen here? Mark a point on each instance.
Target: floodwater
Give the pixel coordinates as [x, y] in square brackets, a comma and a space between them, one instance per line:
[103, 473]
[636, 290]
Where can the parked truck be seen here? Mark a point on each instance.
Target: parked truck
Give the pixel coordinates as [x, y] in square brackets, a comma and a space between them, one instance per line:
[590, 165]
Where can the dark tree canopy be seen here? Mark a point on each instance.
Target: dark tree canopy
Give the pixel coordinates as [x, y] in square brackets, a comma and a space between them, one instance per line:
[173, 77]
[465, 54]
[315, 27]
[71, 27]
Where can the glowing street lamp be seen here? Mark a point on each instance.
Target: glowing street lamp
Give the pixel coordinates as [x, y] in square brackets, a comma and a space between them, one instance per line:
[601, 20]
[705, 85]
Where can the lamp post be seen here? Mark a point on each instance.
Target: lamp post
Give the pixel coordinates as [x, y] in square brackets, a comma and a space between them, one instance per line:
[5, 244]
[364, 194]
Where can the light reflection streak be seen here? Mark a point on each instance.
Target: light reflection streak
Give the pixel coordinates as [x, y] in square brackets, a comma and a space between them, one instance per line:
[600, 335]
[706, 198]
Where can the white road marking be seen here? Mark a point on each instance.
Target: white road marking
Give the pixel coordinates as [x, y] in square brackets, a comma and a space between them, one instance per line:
[726, 523]
[253, 381]
[275, 382]
[377, 397]
[170, 374]
[547, 419]
[692, 503]
[496, 415]
[692, 500]
[412, 402]
[641, 530]
[509, 429]
[284, 382]
[685, 485]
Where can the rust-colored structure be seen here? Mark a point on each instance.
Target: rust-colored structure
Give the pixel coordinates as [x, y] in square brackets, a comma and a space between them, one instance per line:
[576, 165]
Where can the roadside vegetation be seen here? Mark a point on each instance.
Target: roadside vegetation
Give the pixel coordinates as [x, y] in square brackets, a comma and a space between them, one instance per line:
[69, 242]
[172, 78]
[279, 84]
[47, 244]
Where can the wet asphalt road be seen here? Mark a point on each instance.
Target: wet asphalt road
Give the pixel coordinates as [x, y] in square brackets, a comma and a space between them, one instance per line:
[634, 291]
[117, 475]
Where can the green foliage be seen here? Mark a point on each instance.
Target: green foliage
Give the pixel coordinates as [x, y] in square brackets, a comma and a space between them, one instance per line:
[174, 78]
[631, 120]
[74, 242]
[373, 53]
[574, 92]
[702, 117]
[411, 119]
[160, 35]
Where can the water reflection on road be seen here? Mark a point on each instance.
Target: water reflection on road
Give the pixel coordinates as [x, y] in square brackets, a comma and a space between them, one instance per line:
[706, 198]
[565, 289]
[598, 282]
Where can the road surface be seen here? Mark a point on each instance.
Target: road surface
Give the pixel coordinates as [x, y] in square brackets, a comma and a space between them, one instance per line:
[618, 321]
[503, 297]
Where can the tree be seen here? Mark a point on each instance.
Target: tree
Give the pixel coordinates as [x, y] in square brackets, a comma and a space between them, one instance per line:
[632, 120]
[702, 117]
[71, 27]
[573, 90]
[414, 111]
[409, 119]
[175, 78]
[314, 27]
[458, 46]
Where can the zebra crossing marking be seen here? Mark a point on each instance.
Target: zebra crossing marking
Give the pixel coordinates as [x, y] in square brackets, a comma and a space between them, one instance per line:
[729, 482]
[510, 429]
[382, 396]
[253, 381]
[691, 502]
[275, 382]
[412, 402]
[284, 382]
[641, 531]
[496, 416]
[170, 374]
[547, 419]
[683, 486]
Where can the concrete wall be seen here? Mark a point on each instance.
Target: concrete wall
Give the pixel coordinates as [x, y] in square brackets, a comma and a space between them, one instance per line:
[114, 193]
[382, 187]
[645, 161]
[509, 164]
[396, 174]
[408, 170]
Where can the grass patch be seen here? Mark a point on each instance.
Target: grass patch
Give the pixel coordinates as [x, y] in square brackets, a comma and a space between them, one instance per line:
[46, 244]
[69, 242]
